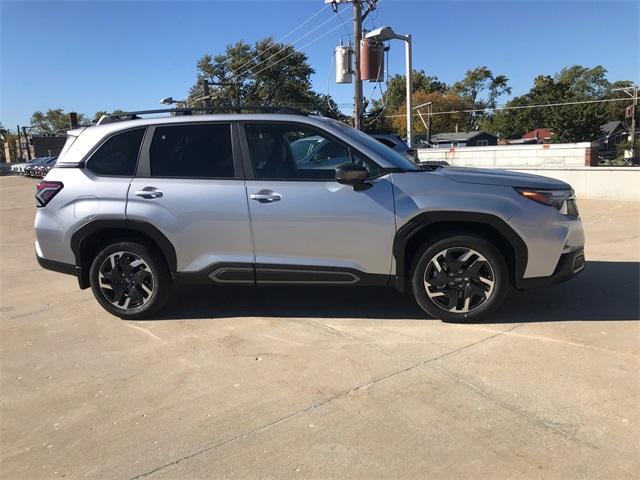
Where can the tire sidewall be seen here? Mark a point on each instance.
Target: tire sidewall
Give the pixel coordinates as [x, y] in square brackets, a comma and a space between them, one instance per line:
[160, 278]
[495, 259]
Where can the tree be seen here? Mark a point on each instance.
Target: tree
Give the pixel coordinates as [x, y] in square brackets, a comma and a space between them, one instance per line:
[482, 89]
[395, 97]
[442, 102]
[577, 122]
[98, 115]
[267, 73]
[53, 121]
[396, 93]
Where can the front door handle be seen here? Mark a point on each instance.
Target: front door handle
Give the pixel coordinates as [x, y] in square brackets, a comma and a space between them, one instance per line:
[266, 196]
[149, 193]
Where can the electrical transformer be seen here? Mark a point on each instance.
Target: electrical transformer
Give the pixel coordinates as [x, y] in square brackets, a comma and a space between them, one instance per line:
[344, 64]
[372, 60]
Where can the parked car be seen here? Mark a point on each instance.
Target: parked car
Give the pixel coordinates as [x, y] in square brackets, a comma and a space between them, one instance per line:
[396, 143]
[43, 168]
[135, 206]
[18, 168]
[30, 169]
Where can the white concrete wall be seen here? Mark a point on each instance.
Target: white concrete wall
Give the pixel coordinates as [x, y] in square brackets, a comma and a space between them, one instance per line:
[501, 156]
[564, 161]
[610, 183]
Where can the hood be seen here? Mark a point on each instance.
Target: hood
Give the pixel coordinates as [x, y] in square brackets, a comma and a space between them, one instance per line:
[506, 178]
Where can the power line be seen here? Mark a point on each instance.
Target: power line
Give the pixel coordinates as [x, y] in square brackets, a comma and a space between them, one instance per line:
[252, 69]
[282, 38]
[519, 107]
[301, 48]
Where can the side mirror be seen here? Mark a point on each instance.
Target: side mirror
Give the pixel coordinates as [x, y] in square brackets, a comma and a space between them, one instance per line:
[351, 174]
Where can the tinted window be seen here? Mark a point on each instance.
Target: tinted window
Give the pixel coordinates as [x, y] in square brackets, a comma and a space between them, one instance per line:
[196, 151]
[281, 151]
[118, 155]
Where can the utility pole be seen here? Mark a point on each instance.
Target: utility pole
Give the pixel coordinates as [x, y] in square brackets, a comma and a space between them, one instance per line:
[26, 142]
[19, 143]
[357, 84]
[633, 93]
[634, 107]
[205, 92]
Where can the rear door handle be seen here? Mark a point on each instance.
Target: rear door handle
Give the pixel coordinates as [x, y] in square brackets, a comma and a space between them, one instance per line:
[266, 196]
[149, 193]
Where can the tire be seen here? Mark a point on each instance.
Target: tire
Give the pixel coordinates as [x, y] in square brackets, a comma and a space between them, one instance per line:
[461, 278]
[130, 280]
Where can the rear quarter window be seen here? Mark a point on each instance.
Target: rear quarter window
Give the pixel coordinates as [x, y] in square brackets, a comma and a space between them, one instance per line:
[117, 156]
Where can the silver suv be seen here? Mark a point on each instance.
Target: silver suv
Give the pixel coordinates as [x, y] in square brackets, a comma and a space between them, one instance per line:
[134, 206]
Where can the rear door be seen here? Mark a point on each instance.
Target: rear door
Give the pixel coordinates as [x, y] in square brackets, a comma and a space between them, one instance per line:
[189, 185]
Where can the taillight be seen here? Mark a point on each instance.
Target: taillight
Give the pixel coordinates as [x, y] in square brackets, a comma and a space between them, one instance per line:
[46, 190]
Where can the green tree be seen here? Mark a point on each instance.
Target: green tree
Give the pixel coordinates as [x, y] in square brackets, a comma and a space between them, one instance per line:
[570, 123]
[442, 102]
[98, 115]
[267, 73]
[482, 89]
[395, 97]
[52, 121]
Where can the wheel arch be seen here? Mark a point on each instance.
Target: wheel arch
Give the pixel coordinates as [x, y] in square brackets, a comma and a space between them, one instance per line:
[429, 226]
[87, 240]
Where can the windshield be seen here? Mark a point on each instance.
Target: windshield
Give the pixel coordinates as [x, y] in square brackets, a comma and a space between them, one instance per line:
[372, 144]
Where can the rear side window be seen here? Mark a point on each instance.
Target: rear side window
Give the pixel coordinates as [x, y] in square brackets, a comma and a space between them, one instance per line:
[118, 155]
[194, 151]
[386, 142]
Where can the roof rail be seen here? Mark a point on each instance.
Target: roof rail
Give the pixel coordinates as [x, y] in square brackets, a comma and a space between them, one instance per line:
[118, 117]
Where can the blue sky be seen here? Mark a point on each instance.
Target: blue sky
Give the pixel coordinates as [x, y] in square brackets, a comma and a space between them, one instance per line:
[92, 55]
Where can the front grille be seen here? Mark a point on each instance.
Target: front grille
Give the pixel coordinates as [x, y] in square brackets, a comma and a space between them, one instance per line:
[578, 263]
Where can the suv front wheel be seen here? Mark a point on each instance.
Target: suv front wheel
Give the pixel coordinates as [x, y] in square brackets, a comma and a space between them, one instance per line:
[460, 278]
[129, 280]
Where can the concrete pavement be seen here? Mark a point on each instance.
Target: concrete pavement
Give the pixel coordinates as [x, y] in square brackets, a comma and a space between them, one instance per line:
[320, 383]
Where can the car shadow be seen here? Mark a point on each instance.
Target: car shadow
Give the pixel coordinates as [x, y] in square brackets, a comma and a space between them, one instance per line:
[604, 291]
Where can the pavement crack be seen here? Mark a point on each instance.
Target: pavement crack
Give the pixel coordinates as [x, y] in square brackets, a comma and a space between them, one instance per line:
[340, 333]
[321, 403]
[507, 406]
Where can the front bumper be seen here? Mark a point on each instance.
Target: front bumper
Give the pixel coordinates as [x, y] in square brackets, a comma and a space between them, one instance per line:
[569, 265]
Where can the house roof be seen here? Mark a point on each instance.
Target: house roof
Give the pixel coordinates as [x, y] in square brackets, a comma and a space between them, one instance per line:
[611, 127]
[458, 136]
[543, 133]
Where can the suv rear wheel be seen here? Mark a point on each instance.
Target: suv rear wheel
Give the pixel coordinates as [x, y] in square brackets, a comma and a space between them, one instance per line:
[130, 280]
[460, 278]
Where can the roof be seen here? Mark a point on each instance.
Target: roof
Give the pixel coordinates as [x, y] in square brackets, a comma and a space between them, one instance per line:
[610, 128]
[542, 133]
[88, 137]
[458, 136]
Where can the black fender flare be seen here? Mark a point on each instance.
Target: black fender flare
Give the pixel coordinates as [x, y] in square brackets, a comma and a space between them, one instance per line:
[425, 219]
[144, 228]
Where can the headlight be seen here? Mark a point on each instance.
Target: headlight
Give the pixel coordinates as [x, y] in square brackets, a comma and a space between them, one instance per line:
[562, 200]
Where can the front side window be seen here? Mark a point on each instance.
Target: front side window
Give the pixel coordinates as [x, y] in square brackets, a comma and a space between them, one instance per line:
[296, 152]
[193, 151]
[118, 155]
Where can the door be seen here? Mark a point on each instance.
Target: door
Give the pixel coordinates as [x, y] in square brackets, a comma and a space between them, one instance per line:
[307, 228]
[189, 186]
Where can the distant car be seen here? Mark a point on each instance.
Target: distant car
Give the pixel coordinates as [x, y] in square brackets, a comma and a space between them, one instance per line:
[392, 141]
[18, 168]
[42, 169]
[33, 169]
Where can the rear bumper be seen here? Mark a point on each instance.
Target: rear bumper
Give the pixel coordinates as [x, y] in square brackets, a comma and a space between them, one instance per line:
[59, 267]
[569, 265]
